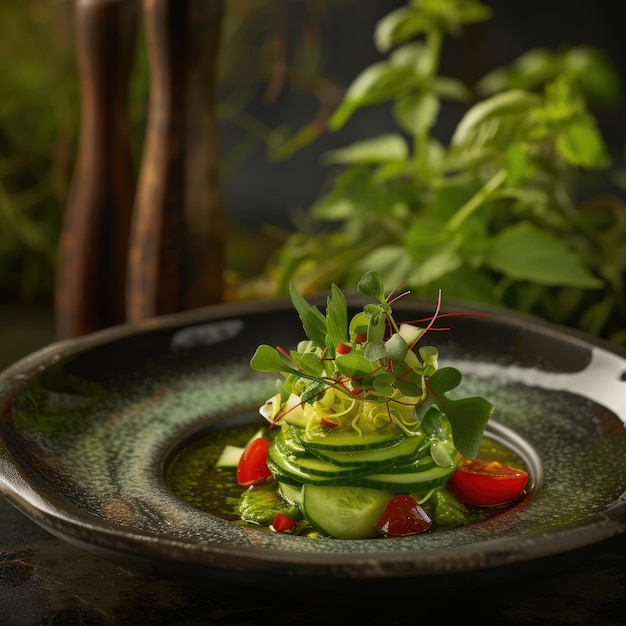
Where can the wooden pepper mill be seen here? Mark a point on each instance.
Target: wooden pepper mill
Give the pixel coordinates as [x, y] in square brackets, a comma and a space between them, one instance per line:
[177, 241]
[126, 254]
[91, 267]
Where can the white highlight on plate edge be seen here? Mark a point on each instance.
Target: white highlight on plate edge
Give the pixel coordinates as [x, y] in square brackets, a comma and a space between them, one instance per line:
[602, 367]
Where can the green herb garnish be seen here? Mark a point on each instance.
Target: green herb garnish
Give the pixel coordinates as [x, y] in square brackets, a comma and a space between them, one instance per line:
[376, 366]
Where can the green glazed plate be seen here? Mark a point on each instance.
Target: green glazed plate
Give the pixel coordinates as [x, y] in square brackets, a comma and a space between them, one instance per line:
[88, 426]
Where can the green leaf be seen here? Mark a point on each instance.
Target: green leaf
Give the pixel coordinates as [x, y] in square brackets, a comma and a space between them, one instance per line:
[392, 262]
[371, 284]
[433, 251]
[417, 112]
[528, 72]
[375, 351]
[470, 284]
[334, 209]
[377, 322]
[597, 74]
[469, 11]
[430, 358]
[353, 365]
[510, 103]
[468, 416]
[516, 162]
[383, 384]
[268, 359]
[399, 26]
[440, 455]
[396, 348]
[312, 319]
[308, 362]
[419, 57]
[525, 252]
[451, 89]
[377, 83]
[580, 143]
[336, 319]
[359, 323]
[389, 147]
[410, 386]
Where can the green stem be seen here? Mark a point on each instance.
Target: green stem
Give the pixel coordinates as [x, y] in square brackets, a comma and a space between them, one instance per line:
[434, 42]
[477, 200]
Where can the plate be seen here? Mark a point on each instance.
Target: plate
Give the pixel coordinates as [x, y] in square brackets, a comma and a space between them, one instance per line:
[89, 425]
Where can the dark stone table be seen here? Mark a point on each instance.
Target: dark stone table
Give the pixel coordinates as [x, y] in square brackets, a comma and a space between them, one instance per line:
[43, 580]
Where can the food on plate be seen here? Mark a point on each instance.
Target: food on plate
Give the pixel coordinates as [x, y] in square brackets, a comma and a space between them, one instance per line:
[366, 436]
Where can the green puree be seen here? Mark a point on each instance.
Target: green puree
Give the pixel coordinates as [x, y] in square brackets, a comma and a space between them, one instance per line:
[193, 477]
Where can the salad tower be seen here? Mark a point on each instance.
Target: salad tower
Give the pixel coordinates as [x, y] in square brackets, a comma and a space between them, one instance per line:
[364, 437]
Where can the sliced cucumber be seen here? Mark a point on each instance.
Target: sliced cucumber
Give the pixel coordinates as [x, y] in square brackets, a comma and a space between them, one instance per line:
[318, 467]
[344, 512]
[285, 469]
[262, 433]
[407, 482]
[281, 447]
[310, 469]
[284, 476]
[419, 465]
[405, 451]
[351, 441]
[292, 437]
[291, 493]
[229, 459]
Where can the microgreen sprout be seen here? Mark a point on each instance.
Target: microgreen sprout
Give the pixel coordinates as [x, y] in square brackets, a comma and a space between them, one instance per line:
[374, 362]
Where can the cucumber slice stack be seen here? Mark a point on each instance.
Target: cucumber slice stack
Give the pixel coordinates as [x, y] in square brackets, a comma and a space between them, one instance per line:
[391, 462]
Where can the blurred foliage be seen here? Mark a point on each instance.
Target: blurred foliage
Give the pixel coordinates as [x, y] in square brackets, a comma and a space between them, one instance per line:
[502, 214]
[40, 108]
[38, 112]
[272, 49]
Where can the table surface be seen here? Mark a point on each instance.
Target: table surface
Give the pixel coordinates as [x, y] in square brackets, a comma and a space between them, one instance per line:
[44, 580]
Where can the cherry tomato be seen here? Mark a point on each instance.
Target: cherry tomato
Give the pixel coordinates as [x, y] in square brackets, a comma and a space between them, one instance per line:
[487, 483]
[283, 523]
[403, 516]
[343, 348]
[252, 468]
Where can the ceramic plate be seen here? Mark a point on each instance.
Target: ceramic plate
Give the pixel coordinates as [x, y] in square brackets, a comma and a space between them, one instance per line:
[89, 425]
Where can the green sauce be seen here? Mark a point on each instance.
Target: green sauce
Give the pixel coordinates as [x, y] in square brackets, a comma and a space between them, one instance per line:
[193, 477]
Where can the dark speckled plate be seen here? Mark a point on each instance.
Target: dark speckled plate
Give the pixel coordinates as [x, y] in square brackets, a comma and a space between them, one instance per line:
[87, 427]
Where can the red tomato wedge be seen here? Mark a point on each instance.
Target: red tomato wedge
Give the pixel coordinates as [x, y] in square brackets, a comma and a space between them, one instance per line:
[487, 483]
[283, 523]
[403, 516]
[252, 468]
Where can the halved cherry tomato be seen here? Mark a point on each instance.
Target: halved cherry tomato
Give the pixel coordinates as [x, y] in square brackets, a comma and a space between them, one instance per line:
[487, 483]
[343, 348]
[283, 523]
[403, 516]
[252, 468]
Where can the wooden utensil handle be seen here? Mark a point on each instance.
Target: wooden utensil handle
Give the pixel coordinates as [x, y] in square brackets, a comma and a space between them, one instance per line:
[91, 270]
[177, 241]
